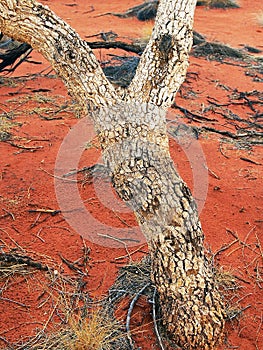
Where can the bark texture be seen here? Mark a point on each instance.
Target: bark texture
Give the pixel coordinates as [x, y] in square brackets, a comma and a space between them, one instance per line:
[135, 149]
[164, 63]
[71, 57]
[132, 131]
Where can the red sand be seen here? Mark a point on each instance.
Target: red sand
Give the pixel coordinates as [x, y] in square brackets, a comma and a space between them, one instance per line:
[233, 202]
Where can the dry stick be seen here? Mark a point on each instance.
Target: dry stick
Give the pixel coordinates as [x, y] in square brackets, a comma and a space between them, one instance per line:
[11, 239]
[131, 253]
[155, 321]
[246, 238]
[116, 45]
[212, 172]
[58, 177]
[71, 265]
[123, 221]
[19, 325]
[38, 235]
[85, 257]
[36, 220]
[5, 341]
[52, 212]
[258, 277]
[252, 262]
[221, 151]
[234, 136]
[10, 214]
[242, 298]
[132, 304]
[15, 302]
[240, 242]
[249, 160]
[117, 240]
[4, 216]
[32, 149]
[15, 229]
[259, 246]
[224, 247]
[241, 279]
[48, 320]
[236, 314]
[259, 327]
[193, 116]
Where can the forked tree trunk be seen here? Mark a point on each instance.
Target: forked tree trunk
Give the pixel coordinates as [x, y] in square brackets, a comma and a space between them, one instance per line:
[132, 131]
[135, 148]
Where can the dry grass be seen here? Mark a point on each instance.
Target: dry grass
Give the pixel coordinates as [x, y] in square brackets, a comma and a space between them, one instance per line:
[6, 124]
[9, 82]
[97, 331]
[84, 325]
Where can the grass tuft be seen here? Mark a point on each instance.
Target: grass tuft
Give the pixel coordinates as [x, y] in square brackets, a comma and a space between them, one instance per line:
[96, 332]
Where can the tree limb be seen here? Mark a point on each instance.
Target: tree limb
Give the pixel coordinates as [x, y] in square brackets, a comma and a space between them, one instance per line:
[71, 57]
[169, 45]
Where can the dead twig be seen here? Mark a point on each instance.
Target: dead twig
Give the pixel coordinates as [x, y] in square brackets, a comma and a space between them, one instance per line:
[120, 240]
[131, 307]
[72, 266]
[12, 240]
[25, 148]
[57, 177]
[211, 172]
[155, 321]
[225, 247]
[249, 160]
[135, 48]
[15, 302]
[237, 313]
[9, 258]
[130, 253]
[52, 212]
[190, 115]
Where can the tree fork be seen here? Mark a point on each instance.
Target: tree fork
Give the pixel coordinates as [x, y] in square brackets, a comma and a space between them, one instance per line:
[132, 132]
[135, 149]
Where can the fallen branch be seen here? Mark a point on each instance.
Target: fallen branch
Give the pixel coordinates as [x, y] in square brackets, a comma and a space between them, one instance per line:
[143, 12]
[191, 115]
[235, 136]
[21, 260]
[52, 212]
[135, 48]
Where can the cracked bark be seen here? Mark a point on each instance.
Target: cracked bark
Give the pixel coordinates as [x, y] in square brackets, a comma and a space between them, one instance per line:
[132, 132]
[135, 149]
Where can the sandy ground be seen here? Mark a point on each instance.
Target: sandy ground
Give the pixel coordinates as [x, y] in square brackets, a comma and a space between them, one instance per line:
[228, 183]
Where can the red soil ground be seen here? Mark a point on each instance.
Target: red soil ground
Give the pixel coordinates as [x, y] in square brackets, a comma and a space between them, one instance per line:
[232, 214]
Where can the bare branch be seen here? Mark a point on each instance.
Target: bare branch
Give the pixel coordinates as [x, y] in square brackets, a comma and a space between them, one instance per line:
[31, 22]
[169, 45]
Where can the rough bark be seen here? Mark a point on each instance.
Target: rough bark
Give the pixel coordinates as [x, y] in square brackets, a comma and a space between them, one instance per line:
[164, 63]
[70, 56]
[132, 132]
[135, 149]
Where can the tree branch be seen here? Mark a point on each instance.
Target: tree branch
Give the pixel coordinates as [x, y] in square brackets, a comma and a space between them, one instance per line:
[70, 56]
[169, 45]
[75, 63]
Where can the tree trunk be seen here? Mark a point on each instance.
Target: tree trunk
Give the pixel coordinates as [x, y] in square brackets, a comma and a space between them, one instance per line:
[132, 132]
[135, 149]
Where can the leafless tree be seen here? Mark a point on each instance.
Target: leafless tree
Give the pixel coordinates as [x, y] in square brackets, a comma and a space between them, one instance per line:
[135, 148]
